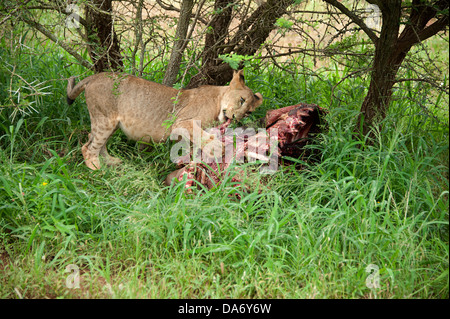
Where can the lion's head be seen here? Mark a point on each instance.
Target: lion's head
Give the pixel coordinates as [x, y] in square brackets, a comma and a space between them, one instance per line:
[239, 100]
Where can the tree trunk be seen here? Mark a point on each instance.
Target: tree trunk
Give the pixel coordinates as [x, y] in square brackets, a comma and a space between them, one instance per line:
[103, 45]
[252, 33]
[177, 51]
[385, 67]
[390, 51]
[212, 72]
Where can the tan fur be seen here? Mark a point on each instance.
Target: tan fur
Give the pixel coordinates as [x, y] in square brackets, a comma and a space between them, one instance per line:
[139, 107]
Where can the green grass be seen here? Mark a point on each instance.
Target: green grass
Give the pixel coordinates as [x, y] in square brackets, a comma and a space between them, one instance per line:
[308, 233]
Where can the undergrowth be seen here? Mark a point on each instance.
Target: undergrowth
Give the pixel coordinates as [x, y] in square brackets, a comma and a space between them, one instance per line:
[310, 230]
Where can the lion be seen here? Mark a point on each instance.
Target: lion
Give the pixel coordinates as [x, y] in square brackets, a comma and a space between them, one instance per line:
[141, 108]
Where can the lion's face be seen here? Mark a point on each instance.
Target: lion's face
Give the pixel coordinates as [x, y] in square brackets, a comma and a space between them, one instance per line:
[239, 100]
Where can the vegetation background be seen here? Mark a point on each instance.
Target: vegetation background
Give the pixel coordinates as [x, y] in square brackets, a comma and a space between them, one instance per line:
[375, 203]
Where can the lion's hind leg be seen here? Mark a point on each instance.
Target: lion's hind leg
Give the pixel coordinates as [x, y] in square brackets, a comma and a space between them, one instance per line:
[102, 129]
[89, 159]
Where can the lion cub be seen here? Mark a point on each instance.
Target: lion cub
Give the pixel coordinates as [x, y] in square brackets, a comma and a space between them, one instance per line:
[139, 107]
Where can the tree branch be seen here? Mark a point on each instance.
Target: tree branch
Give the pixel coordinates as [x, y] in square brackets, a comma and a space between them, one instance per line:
[429, 81]
[18, 7]
[48, 7]
[52, 37]
[413, 38]
[434, 28]
[354, 18]
[170, 7]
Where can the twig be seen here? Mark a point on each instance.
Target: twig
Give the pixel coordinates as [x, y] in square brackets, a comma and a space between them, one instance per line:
[52, 37]
[14, 11]
[354, 18]
[342, 80]
[170, 7]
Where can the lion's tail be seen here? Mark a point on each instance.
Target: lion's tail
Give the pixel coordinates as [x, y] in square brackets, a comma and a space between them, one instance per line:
[74, 90]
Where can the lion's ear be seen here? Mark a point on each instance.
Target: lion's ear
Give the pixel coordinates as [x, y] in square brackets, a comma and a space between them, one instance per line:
[238, 80]
[259, 98]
